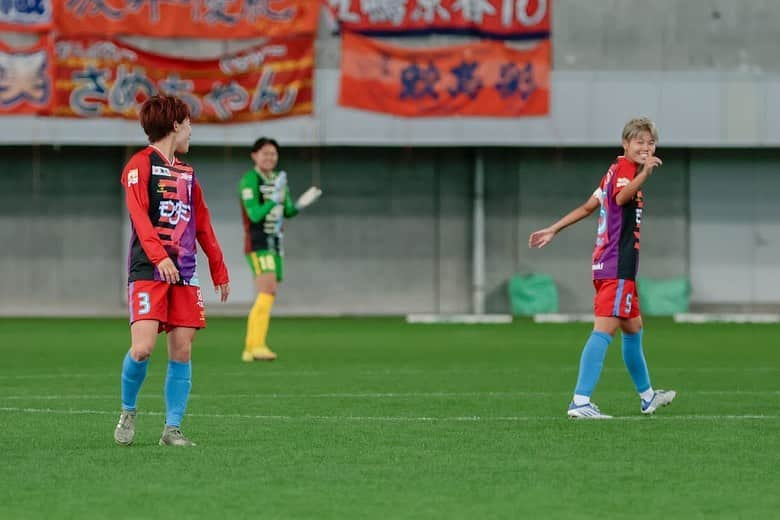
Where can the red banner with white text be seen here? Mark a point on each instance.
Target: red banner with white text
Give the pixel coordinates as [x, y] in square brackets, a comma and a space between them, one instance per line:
[26, 78]
[104, 78]
[186, 18]
[480, 79]
[501, 19]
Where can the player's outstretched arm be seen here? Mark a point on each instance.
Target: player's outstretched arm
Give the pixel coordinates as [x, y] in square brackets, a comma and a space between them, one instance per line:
[542, 237]
[208, 242]
[308, 198]
[629, 191]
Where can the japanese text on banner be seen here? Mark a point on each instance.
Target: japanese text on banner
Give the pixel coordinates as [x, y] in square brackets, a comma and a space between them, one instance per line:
[102, 78]
[503, 19]
[187, 18]
[26, 78]
[480, 79]
[25, 15]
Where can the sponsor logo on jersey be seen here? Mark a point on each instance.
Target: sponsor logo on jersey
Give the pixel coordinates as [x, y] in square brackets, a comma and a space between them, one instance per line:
[247, 194]
[132, 177]
[598, 267]
[174, 211]
[622, 182]
[602, 226]
[161, 171]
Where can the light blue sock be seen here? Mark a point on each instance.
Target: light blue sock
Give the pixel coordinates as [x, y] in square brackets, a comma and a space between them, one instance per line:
[178, 382]
[133, 375]
[591, 362]
[635, 360]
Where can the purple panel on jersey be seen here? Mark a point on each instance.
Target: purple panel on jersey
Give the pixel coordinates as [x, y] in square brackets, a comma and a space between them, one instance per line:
[614, 227]
[185, 233]
[605, 253]
[187, 251]
[616, 254]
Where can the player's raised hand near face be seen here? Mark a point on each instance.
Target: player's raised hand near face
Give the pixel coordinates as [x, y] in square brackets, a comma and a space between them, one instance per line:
[223, 290]
[541, 238]
[168, 271]
[650, 164]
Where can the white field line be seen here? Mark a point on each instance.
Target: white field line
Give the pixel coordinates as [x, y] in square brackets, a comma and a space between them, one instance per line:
[370, 395]
[399, 419]
[406, 371]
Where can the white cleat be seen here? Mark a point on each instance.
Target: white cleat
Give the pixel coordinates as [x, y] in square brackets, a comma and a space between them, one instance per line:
[586, 411]
[660, 398]
[125, 428]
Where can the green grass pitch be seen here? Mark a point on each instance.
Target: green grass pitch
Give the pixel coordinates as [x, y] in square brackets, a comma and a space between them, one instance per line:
[374, 418]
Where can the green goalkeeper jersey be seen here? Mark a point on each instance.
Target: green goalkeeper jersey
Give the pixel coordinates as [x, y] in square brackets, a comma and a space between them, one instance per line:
[263, 217]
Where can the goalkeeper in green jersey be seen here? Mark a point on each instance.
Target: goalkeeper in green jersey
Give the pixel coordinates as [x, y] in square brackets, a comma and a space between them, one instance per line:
[265, 203]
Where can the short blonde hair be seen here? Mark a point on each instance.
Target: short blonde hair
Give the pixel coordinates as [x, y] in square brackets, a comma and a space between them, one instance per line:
[637, 125]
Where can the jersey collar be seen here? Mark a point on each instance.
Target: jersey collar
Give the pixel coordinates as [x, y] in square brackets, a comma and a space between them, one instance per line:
[626, 164]
[260, 174]
[160, 152]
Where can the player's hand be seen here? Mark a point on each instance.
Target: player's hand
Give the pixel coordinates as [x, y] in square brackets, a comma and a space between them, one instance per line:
[308, 198]
[651, 163]
[541, 238]
[223, 290]
[168, 271]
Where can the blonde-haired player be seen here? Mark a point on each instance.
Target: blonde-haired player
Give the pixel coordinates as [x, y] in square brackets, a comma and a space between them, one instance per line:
[615, 264]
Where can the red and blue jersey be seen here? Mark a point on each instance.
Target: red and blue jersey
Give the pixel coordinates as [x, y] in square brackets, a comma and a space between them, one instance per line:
[616, 254]
[168, 215]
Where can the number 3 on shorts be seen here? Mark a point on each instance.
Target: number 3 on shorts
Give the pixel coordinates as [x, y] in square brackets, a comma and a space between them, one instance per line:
[144, 306]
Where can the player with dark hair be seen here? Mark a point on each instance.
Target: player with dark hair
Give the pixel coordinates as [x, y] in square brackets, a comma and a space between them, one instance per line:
[615, 265]
[168, 215]
[265, 203]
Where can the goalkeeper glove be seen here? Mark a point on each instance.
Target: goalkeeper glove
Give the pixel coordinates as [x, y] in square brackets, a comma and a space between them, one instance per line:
[308, 198]
[280, 183]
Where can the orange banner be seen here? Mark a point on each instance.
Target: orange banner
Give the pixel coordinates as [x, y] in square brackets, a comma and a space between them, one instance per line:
[103, 78]
[501, 19]
[26, 78]
[481, 79]
[186, 18]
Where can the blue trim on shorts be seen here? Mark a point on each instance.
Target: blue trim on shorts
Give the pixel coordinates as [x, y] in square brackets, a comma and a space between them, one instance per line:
[618, 298]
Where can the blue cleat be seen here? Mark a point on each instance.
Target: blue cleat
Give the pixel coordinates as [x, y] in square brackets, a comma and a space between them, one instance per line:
[586, 411]
[660, 398]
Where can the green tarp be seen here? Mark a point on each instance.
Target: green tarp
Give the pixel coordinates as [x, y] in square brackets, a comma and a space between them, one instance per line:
[532, 294]
[537, 294]
[664, 297]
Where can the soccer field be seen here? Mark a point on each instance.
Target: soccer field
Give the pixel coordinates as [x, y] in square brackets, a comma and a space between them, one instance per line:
[370, 418]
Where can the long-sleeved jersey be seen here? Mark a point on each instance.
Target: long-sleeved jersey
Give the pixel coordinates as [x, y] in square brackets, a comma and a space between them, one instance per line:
[616, 254]
[263, 218]
[168, 214]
